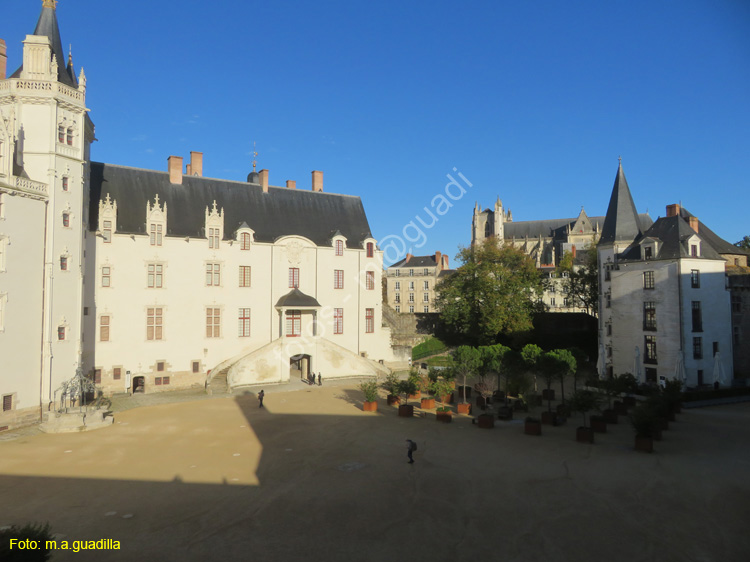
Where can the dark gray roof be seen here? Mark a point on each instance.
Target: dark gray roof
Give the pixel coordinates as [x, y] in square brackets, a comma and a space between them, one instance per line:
[622, 222]
[417, 261]
[47, 26]
[298, 299]
[716, 242]
[554, 228]
[673, 233]
[280, 212]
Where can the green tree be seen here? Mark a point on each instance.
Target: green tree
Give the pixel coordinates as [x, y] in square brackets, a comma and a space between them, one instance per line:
[547, 365]
[744, 243]
[467, 360]
[495, 291]
[565, 366]
[581, 286]
[531, 354]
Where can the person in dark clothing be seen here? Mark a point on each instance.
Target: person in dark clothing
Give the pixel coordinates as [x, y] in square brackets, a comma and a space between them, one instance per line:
[261, 394]
[410, 448]
[320, 380]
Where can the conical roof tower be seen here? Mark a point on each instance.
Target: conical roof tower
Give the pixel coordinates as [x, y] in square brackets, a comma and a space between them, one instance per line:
[621, 225]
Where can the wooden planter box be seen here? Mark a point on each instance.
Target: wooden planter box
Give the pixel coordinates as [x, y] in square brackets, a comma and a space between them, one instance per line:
[370, 406]
[585, 435]
[428, 403]
[598, 424]
[620, 408]
[645, 444]
[444, 417]
[464, 408]
[532, 427]
[416, 396]
[505, 413]
[486, 421]
[629, 401]
[447, 399]
[548, 394]
[392, 400]
[405, 411]
[549, 418]
[610, 416]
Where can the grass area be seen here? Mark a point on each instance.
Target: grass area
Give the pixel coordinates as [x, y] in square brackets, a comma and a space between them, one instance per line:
[428, 347]
[440, 361]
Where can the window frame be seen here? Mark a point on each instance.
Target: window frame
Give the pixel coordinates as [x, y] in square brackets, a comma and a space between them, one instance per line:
[695, 279]
[370, 280]
[369, 320]
[338, 321]
[294, 277]
[104, 327]
[338, 278]
[649, 280]
[246, 276]
[339, 247]
[154, 323]
[213, 274]
[154, 275]
[293, 323]
[244, 315]
[213, 322]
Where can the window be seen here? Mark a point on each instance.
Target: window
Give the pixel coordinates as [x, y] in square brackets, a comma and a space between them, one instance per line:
[648, 252]
[244, 276]
[694, 250]
[609, 329]
[154, 324]
[196, 366]
[339, 247]
[245, 241]
[426, 297]
[117, 373]
[160, 366]
[736, 303]
[553, 303]
[398, 309]
[398, 297]
[338, 278]
[294, 278]
[411, 309]
[213, 322]
[213, 274]
[426, 271]
[244, 323]
[106, 278]
[69, 136]
[370, 280]
[7, 402]
[155, 234]
[411, 273]
[735, 334]
[165, 380]
[97, 376]
[65, 183]
[398, 273]
[697, 316]
[213, 238]
[157, 381]
[411, 285]
[411, 297]
[649, 316]
[104, 328]
[2, 205]
[697, 348]
[398, 285]
[369, 320]
[609, 351]
[607, 274]
[338, 320]
[63, 263]
[695, 278]
[61, 333]
[648, 279]
[107, 232]
[552, 289]
[293, 323]
[608, 299]
[426, 285]
[370, 249]
[565, 301]
[650, 373]
[66, 219]
[426, 308]
[565, 274]
[155, 275]
[61, 133]
[650, 347]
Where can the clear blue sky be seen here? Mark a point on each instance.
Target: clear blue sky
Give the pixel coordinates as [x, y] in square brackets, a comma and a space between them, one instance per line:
[532, 101]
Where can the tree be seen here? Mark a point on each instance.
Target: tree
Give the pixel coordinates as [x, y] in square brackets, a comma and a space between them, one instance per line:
[581, 286]
[744, 243]
[548, 366]
[584, 401]
[467, 360]
[531, 354]
[495, 291]
[565, 366]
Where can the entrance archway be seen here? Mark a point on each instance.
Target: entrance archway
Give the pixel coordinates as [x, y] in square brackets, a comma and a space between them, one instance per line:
[139, 384]
[301, 366]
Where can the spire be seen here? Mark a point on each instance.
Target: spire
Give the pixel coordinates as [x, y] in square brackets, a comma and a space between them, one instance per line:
[621, 223]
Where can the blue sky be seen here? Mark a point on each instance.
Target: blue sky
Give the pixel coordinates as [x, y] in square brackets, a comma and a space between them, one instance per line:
[532, 101]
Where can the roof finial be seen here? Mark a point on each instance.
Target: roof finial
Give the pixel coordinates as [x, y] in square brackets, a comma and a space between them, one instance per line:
[619, 159]
[255, 155]
[49, 4]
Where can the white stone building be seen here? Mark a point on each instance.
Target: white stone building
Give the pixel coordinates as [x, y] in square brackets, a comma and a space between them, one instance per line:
[663, 295]
[153, 280]
[411, 282]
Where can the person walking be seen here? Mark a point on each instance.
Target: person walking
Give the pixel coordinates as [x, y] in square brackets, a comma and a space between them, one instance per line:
[261, 394]
[320, 380]
[411, 446]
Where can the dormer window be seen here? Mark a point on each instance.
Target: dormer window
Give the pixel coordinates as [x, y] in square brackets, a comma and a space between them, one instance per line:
[339, 247]
[213, 238]
[694, 250]
[107, 232]
[245, 241]
[370, 249]
[648, 252]
[155, 234]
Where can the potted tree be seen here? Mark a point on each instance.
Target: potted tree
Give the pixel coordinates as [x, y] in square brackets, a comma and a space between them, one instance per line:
[584, 401]
[547, 365]
[672, 393]
[644, 422]
[370, 390]
[417, 380]
[406, 387]
[442, 388]
[390, 385]
[466, 361]
[566, 366]
[629, 387]
[611, 387]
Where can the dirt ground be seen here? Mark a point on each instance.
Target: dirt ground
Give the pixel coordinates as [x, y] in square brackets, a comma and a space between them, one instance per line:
[312, 477]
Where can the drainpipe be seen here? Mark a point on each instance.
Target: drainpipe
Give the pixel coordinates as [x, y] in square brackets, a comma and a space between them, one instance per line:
[45, 342]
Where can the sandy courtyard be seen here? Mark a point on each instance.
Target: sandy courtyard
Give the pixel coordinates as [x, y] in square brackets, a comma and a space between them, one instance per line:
[312, 477]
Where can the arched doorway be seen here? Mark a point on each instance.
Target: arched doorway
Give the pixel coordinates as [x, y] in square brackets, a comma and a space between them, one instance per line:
[139, 384]
[301, 366]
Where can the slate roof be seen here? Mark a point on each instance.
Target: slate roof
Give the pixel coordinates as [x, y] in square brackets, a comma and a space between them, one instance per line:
[417, 261]
[298, 299]
[622, 221]
[280, 212]
[673, 233]
[47, 26]
[554, 228]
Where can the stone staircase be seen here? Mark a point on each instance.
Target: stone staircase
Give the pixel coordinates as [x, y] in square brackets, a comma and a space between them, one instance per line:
[218, 383]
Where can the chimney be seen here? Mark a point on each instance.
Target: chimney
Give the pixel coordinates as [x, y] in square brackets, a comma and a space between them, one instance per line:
[438, 259]
[264, 180]
[694, 223]
[445, 262]
[195, 168]
[291, 184]
[673, 210]
[408, 257]
[3, 59]
[174, 163]
[573, 251]
[317, 181]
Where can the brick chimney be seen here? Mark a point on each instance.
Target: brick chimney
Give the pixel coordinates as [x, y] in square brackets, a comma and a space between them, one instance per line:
[264, 180]
[673, 210]
[573, 251]
[445, 262]
[291, 184]
[174, 164]
[694, 223]
[195, 168]
[408, 257]
[317, 180]
[438, 259]
[3, 59]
